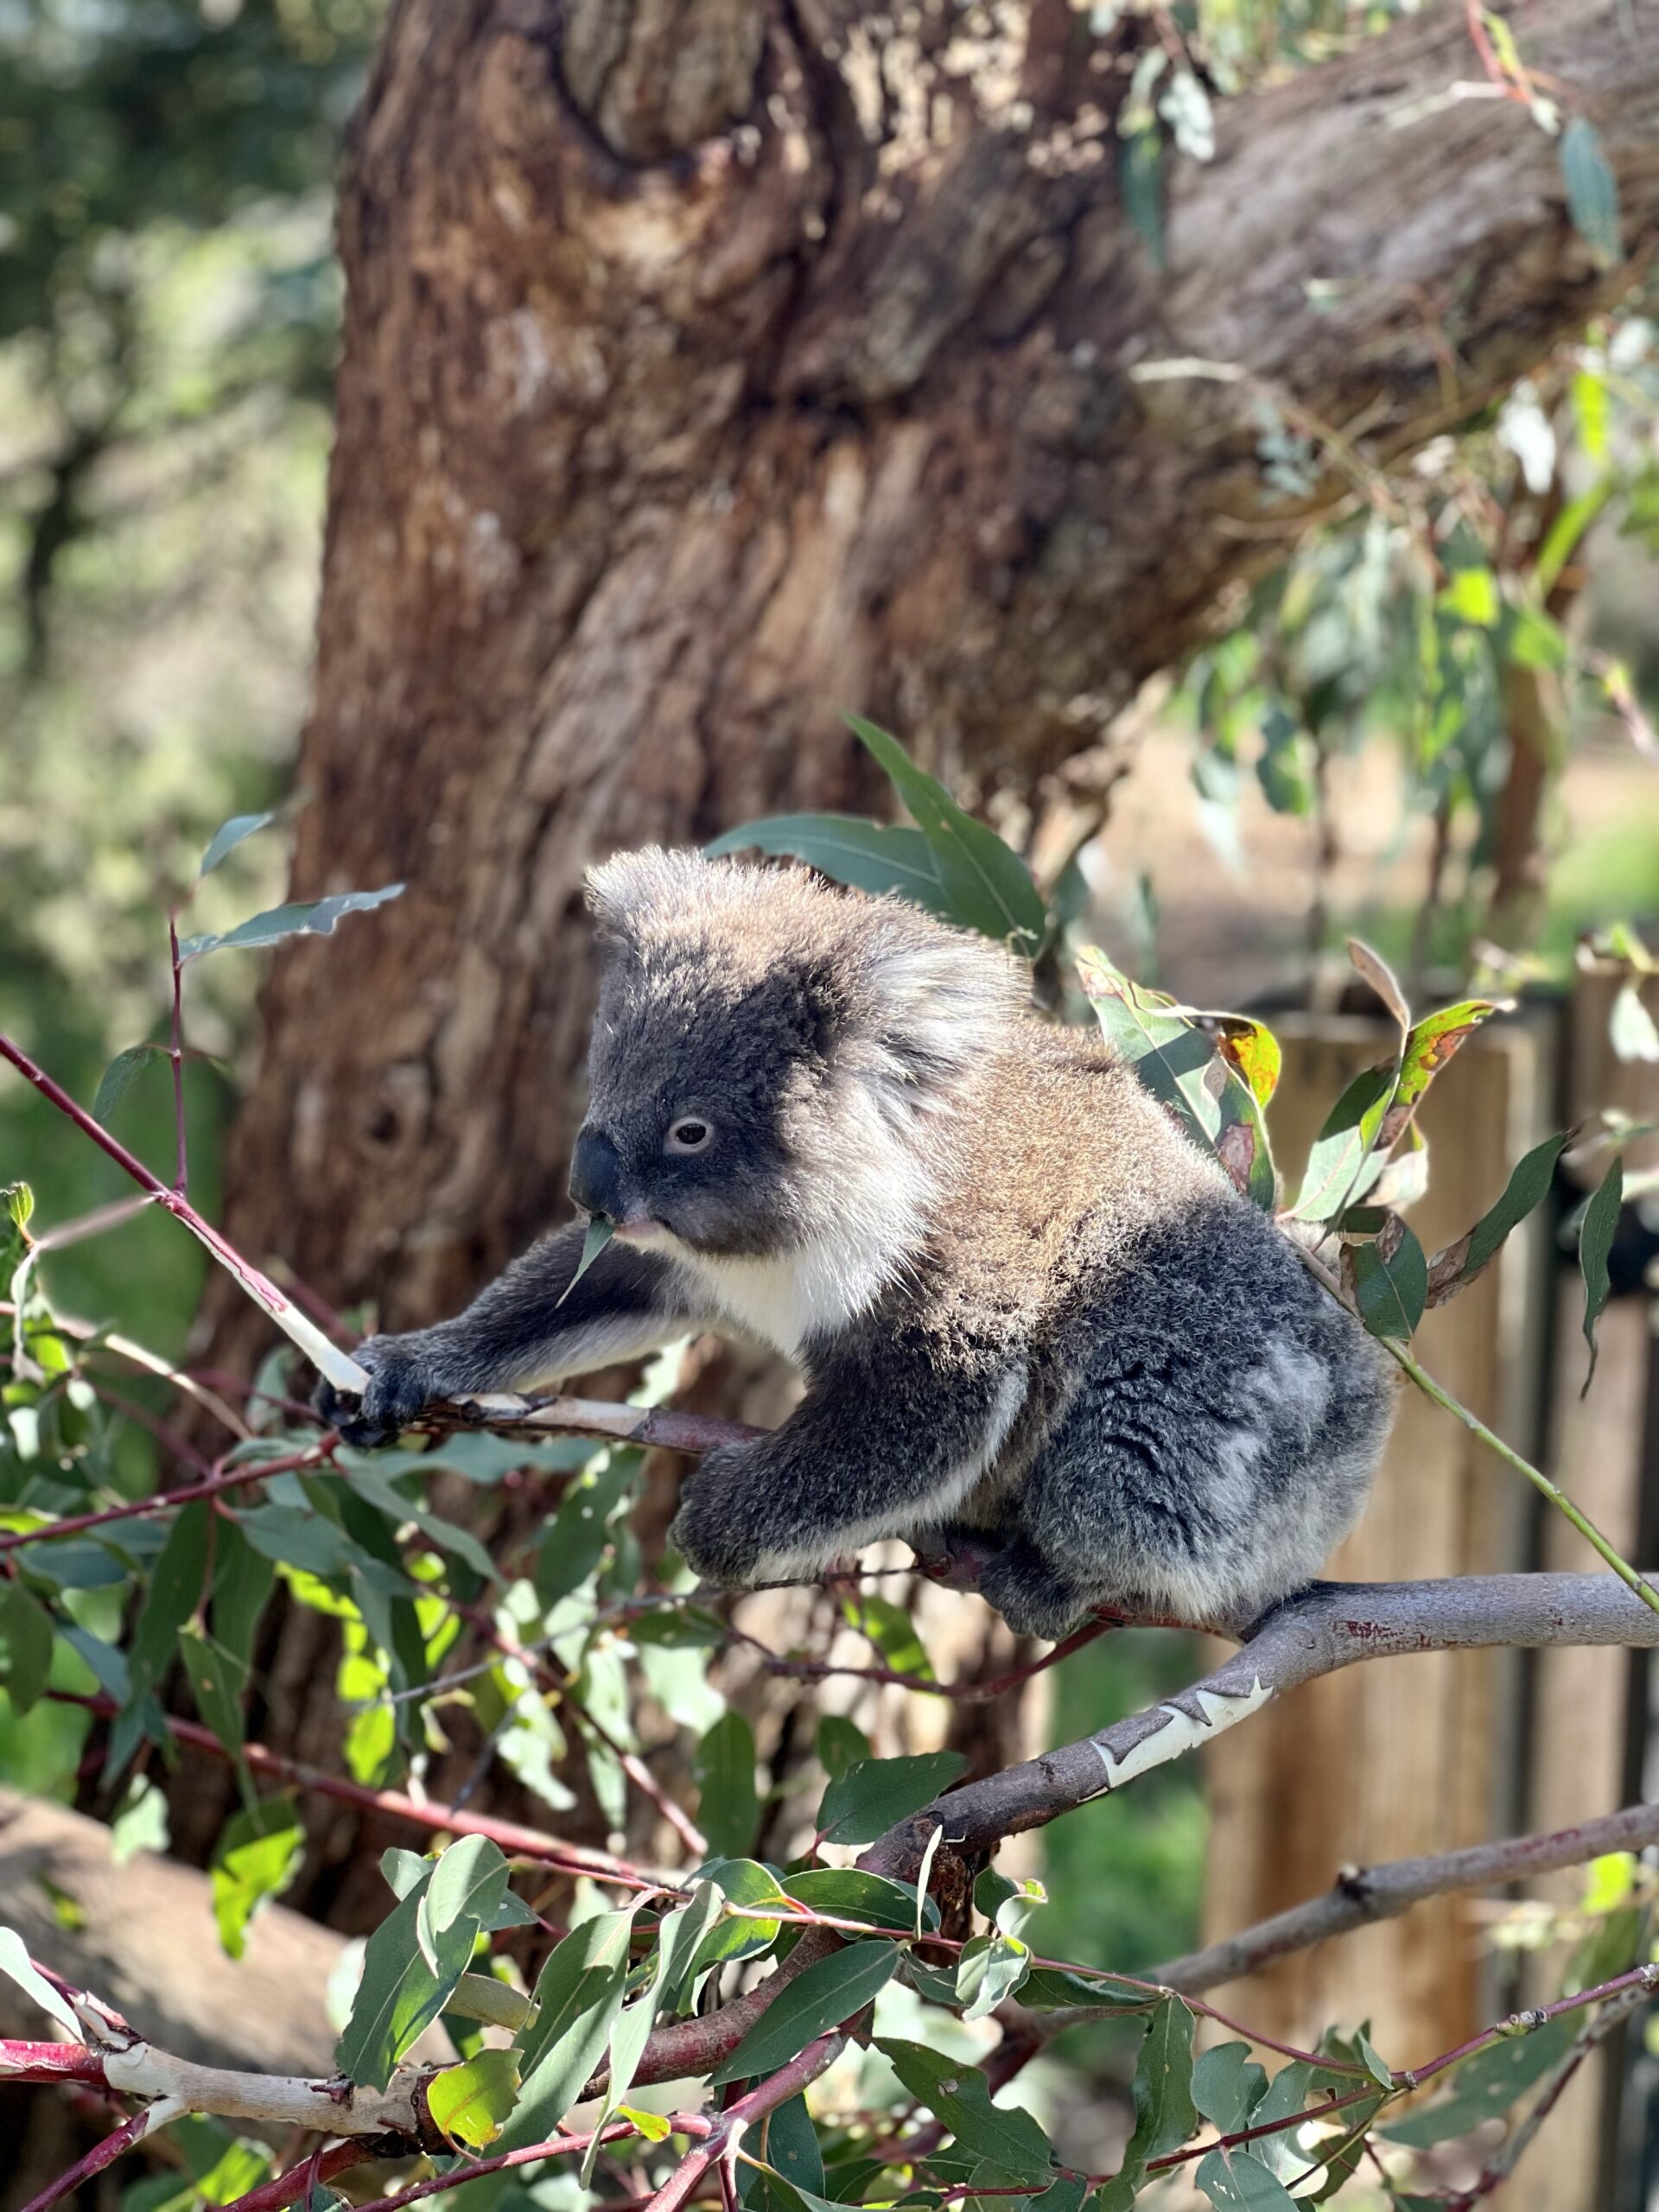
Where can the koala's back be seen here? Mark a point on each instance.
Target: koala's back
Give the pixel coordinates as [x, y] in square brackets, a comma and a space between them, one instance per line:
[1200, 1419]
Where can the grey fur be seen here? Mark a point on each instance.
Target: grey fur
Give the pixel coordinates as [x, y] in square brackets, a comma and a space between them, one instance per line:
[1035, 1320]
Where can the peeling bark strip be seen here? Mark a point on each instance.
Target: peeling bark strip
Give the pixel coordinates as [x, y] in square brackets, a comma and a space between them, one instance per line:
[713, 366]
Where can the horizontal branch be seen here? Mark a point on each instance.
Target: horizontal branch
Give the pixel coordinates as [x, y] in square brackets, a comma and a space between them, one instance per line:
[1364, 1894]
[1329, 1626]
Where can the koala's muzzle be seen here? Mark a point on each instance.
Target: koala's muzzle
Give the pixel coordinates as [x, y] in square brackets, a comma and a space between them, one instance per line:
[596, 1174]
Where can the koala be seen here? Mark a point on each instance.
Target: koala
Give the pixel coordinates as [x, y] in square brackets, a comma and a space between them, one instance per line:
[1037, 1324]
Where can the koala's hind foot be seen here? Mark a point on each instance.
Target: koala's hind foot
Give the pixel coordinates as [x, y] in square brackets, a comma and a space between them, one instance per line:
[1030, 1594]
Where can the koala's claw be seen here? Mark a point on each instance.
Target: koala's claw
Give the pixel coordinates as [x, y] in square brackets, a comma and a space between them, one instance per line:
[401, 1381]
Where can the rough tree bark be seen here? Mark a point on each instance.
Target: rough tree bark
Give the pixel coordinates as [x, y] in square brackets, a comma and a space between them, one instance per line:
[710, 368]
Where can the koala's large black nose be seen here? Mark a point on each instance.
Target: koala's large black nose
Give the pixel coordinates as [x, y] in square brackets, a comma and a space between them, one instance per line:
[596, 1174]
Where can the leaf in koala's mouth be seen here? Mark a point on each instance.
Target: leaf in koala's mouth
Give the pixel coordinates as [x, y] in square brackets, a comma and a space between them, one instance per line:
[599, 1233]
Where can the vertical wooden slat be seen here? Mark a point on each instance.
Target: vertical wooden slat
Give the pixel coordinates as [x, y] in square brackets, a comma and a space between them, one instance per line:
[1385, 1762]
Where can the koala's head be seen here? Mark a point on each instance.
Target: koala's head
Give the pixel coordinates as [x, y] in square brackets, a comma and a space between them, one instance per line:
[767, 1049]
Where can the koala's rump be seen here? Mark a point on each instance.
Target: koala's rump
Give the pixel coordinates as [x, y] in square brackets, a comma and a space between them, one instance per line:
[1204, 1419]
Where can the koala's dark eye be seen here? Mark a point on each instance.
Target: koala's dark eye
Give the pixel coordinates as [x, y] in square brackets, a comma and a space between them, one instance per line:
[691, 1134]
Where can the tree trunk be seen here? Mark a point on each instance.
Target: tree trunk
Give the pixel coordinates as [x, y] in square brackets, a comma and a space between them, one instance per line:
[712, 368]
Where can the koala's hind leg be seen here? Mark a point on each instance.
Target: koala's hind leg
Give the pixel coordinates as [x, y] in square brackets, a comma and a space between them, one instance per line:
[1030, 1592]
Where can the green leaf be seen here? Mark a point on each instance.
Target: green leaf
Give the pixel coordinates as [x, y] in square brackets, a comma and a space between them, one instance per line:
[1391, 1291]
[729, 1805]
[868, 856]
[216, 1682]
[1140, 178]
[1472, 596]
[1164, 2115]
[228, 835]
[17, 1965]
[578, 1996]
[789, 2144]
[865, 1802]
[1235, 2182]
[830, 1991]
[1251, 1048]
[25, 1646]
[987, 885]
[654, 2125]
[849, 1893]
[597, 1236]
[258, 1853]
[1227, 2085]
[838, 1742]
[1595, 1243]
[367, 1476]
[178, 1582]
[891, 1629]
[401, 1993]
[573, 1542]
[955, 2091]
[20, 1204]
[315, 918]
[472, 2103]
[1485, 2086]
[1592, 192]
[116, 1078]
[1529, 1184]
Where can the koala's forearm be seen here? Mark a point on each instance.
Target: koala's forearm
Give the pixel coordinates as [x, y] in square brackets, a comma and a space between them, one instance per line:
[517, 1333]
[870, 1453]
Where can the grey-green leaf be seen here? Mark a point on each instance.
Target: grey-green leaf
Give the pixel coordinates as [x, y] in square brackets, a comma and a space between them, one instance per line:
[228, 835]
[873, 856]
[25, 1646]
[1595, 1243]
[314, 917]
[116, 1079]
[1591, 191]
[1164, 2115]
[955, 2091]
[728, 1804]
[599, 1234]
[1235, 2182]
[578, 1996]
[1486, 2085]
[831, 1990]
[865, 1802]
[1227, 2085]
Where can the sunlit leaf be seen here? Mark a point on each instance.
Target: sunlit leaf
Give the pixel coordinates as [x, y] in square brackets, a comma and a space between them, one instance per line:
[578, 1997]
[17, 1965]
[849, 1893]
[257, 1855]
[472, 2103]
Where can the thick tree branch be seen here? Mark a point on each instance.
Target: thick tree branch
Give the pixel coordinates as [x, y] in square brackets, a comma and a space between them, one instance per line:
[1334, 1626]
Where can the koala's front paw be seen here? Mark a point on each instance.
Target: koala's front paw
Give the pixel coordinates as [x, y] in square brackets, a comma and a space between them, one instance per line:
[403, 1377]
[709, 1531]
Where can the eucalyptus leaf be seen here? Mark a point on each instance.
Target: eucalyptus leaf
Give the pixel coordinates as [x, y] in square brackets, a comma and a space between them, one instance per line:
[872, 856]
[830, 1991]
[1596, 1235]
[865, 1801]
[312, 917]
[228, 835]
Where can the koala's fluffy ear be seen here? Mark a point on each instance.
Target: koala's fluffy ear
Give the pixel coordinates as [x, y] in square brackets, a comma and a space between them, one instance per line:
[937, 999]
[628, 894]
